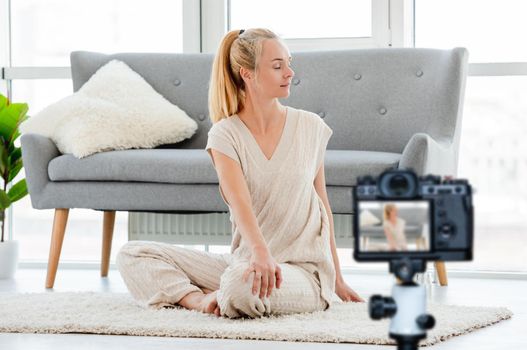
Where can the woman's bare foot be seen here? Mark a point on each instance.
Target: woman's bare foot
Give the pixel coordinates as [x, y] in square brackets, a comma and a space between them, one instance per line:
[206, 303]
[209, 304]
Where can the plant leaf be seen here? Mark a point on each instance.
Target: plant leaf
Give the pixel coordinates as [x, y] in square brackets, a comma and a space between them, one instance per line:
[14, 156]
[5, 202]
[3, 157]
[18, 191]
[4, 102]
[13, 139]
[14, 170]
[10, 116]
[16, 133]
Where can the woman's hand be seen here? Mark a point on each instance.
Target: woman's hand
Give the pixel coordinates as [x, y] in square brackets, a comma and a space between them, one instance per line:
[267, 272]
[346, 293]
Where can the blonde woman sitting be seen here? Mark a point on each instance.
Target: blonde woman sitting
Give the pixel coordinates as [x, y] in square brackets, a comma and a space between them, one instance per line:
[394, 228]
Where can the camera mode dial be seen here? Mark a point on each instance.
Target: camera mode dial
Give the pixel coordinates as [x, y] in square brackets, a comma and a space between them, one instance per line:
[431, 178]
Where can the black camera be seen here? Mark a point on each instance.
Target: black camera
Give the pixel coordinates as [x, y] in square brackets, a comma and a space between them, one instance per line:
[400, 215]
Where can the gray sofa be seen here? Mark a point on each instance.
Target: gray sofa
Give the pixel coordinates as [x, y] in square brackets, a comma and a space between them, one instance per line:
[388, 107]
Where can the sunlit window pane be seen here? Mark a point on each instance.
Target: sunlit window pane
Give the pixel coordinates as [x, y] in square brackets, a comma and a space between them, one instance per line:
[45, 32]
[492, 30]
[40, 93]
[303, 18]
[493, 156]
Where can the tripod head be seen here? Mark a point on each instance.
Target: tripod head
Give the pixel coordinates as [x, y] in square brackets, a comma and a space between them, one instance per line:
[406, 268]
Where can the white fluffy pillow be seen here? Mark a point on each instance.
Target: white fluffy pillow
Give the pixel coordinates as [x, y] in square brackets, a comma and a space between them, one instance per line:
[115, 109]
[367, 218]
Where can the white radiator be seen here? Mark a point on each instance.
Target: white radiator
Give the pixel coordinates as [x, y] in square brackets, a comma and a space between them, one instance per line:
[207, 229]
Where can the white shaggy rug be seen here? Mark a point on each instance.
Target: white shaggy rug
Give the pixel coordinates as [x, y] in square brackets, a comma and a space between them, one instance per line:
[117, 313]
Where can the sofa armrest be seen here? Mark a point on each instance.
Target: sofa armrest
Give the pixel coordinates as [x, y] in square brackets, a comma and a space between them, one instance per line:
[37, 152]
[426, 155]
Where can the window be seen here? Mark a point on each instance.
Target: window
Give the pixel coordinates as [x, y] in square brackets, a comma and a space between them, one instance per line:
[45, 32]
[39, 93]
[493, 148]
[303, 19]
[493, 156]
[308, 25]
[493, 31]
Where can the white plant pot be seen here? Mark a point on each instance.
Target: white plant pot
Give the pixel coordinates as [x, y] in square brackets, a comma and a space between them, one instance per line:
[8, 259]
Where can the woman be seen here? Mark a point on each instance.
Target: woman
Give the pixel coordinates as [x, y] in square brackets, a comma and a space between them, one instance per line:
[269, 161]
[394, 228]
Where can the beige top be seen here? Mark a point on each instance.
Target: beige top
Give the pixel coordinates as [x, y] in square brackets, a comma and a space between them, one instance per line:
[397, 231]
[289, 211]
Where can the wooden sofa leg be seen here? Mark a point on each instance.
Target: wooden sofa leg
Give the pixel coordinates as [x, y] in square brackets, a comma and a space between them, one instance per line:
[107, 234]
[57, 237]
[441, 273]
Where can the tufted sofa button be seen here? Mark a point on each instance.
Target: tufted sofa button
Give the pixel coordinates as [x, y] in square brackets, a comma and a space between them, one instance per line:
[177, 82]
[296, 81]
[201, 117]
[322, 114]
[382, 110]
[357, 76]
[419, 73]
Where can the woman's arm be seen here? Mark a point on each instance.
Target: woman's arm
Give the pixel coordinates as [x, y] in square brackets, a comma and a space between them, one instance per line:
[267, 272]
[320, 187]
[341, 288]
[236, 193]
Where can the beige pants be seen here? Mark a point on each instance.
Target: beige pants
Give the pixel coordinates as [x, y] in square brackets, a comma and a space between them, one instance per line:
[160, 274]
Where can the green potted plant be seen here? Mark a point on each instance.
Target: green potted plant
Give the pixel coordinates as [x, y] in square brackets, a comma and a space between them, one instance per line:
[11, 115]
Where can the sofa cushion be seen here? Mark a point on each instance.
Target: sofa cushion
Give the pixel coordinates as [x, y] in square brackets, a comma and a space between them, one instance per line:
[193, 166]
[136, 165]
[115, 109]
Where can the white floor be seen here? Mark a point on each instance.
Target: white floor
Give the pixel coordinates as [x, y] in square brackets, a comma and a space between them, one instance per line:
[509, 334]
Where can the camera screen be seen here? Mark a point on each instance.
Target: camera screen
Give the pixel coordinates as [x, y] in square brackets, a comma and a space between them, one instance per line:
[386, 226]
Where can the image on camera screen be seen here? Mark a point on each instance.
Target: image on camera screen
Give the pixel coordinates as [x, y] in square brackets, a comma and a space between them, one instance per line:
[398, 226]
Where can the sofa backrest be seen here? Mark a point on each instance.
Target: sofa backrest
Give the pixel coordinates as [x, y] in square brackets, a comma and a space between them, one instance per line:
[373, 99]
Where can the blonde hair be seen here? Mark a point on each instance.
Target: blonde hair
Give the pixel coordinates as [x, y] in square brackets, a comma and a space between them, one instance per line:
[388, 208]
[227, 88]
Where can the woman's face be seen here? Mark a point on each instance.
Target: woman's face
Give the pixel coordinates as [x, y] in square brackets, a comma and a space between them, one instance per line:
[274, 71]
